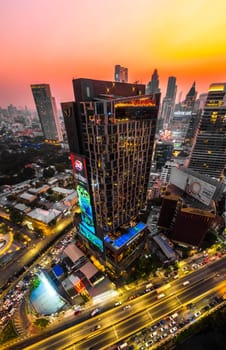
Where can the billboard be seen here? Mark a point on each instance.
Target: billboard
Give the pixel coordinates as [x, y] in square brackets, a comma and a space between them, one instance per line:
[193, 186]
[87, 228]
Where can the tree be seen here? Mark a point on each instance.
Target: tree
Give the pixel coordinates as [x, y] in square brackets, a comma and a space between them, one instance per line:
[16, 216]
[35, 282]
[41, 322]
[48, 172]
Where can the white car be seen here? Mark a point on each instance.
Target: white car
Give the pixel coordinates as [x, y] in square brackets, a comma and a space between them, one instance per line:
[197, 314]
[118, 303]
[153, 334]
[95, 312]
[127, 307]
[173, 330]
[186, 283]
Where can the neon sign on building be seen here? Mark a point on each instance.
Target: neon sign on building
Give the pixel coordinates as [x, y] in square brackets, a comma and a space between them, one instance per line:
[87, 228]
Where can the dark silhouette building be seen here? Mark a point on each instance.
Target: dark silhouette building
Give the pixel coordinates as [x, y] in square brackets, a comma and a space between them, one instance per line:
[111, 140]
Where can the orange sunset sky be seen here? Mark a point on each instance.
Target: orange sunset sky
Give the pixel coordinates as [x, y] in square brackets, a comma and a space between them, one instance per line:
[52, 41]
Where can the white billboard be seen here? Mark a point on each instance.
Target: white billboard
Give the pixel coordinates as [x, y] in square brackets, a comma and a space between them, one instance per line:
[195, 187]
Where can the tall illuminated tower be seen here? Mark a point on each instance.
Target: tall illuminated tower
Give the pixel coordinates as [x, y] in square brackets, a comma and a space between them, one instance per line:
[111, 141]
[208, 155]
[47, 112]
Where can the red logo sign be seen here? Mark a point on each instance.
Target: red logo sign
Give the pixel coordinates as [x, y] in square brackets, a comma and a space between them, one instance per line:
[78, 165]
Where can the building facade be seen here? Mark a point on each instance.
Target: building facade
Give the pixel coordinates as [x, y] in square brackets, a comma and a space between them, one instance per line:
[47, 112]
[121, 74]
[208, 155]
[111, 142]
[168, 102]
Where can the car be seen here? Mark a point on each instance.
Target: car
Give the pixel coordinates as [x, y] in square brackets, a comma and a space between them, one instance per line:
[118, 303]
[206, 308]
[172, 323]
[163, 322]
[165, 335]
[161, 295]
[153, 334]
[197, 314]
[186, 283]
[127, 307]
[95, 328]
[77, 312]
[173, 330]
[149, 343]
[173, 316]
[95, 312]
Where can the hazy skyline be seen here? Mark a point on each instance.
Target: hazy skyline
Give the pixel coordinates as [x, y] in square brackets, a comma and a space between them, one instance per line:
[53, 41]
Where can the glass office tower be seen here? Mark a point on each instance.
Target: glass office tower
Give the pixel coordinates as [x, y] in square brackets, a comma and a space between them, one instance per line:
[47, 112]
[111, 141]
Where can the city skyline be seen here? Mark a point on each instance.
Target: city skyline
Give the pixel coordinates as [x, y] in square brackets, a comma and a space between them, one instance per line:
[50, 42]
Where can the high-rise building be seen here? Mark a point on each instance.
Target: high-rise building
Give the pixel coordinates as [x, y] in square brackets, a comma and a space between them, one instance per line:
[153, 85]
[190, 97]
[168, 101]
[171, 88]
[121, 74]
[47, 112]
[111, 142]
[208, 155]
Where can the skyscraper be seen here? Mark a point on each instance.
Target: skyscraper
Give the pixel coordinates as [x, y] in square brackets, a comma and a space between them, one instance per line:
[153, 85]
[47, 112]
[121, 74]
[208, 155]
[169, 101]
[171, 88]
[111, 141]
[190, 97]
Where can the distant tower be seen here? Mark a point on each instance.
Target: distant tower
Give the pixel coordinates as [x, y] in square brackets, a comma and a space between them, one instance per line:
[169, 101]
[153, 85]
[171, 88]
[190, 97]
[47, 112]
[121, 74]
[208, 155]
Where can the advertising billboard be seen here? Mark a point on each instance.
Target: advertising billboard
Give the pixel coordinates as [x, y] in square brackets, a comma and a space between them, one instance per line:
[193, 186]
[87, 228]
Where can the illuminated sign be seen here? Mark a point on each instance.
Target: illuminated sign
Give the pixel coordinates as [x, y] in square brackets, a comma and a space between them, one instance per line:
[78, 165]
[87, 228]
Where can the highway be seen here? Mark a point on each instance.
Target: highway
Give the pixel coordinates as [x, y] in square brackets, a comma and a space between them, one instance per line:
[117, 323]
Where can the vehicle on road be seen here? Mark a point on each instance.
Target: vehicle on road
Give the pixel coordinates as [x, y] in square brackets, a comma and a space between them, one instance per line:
[95, 328]
[161, 295]
[95, 312]
[186, 283]
[197, 314]
[118, 303]
[173, 330]
[127, 307]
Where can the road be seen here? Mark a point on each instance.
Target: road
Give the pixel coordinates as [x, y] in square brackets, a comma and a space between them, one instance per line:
[30, 254]
[117, 323]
